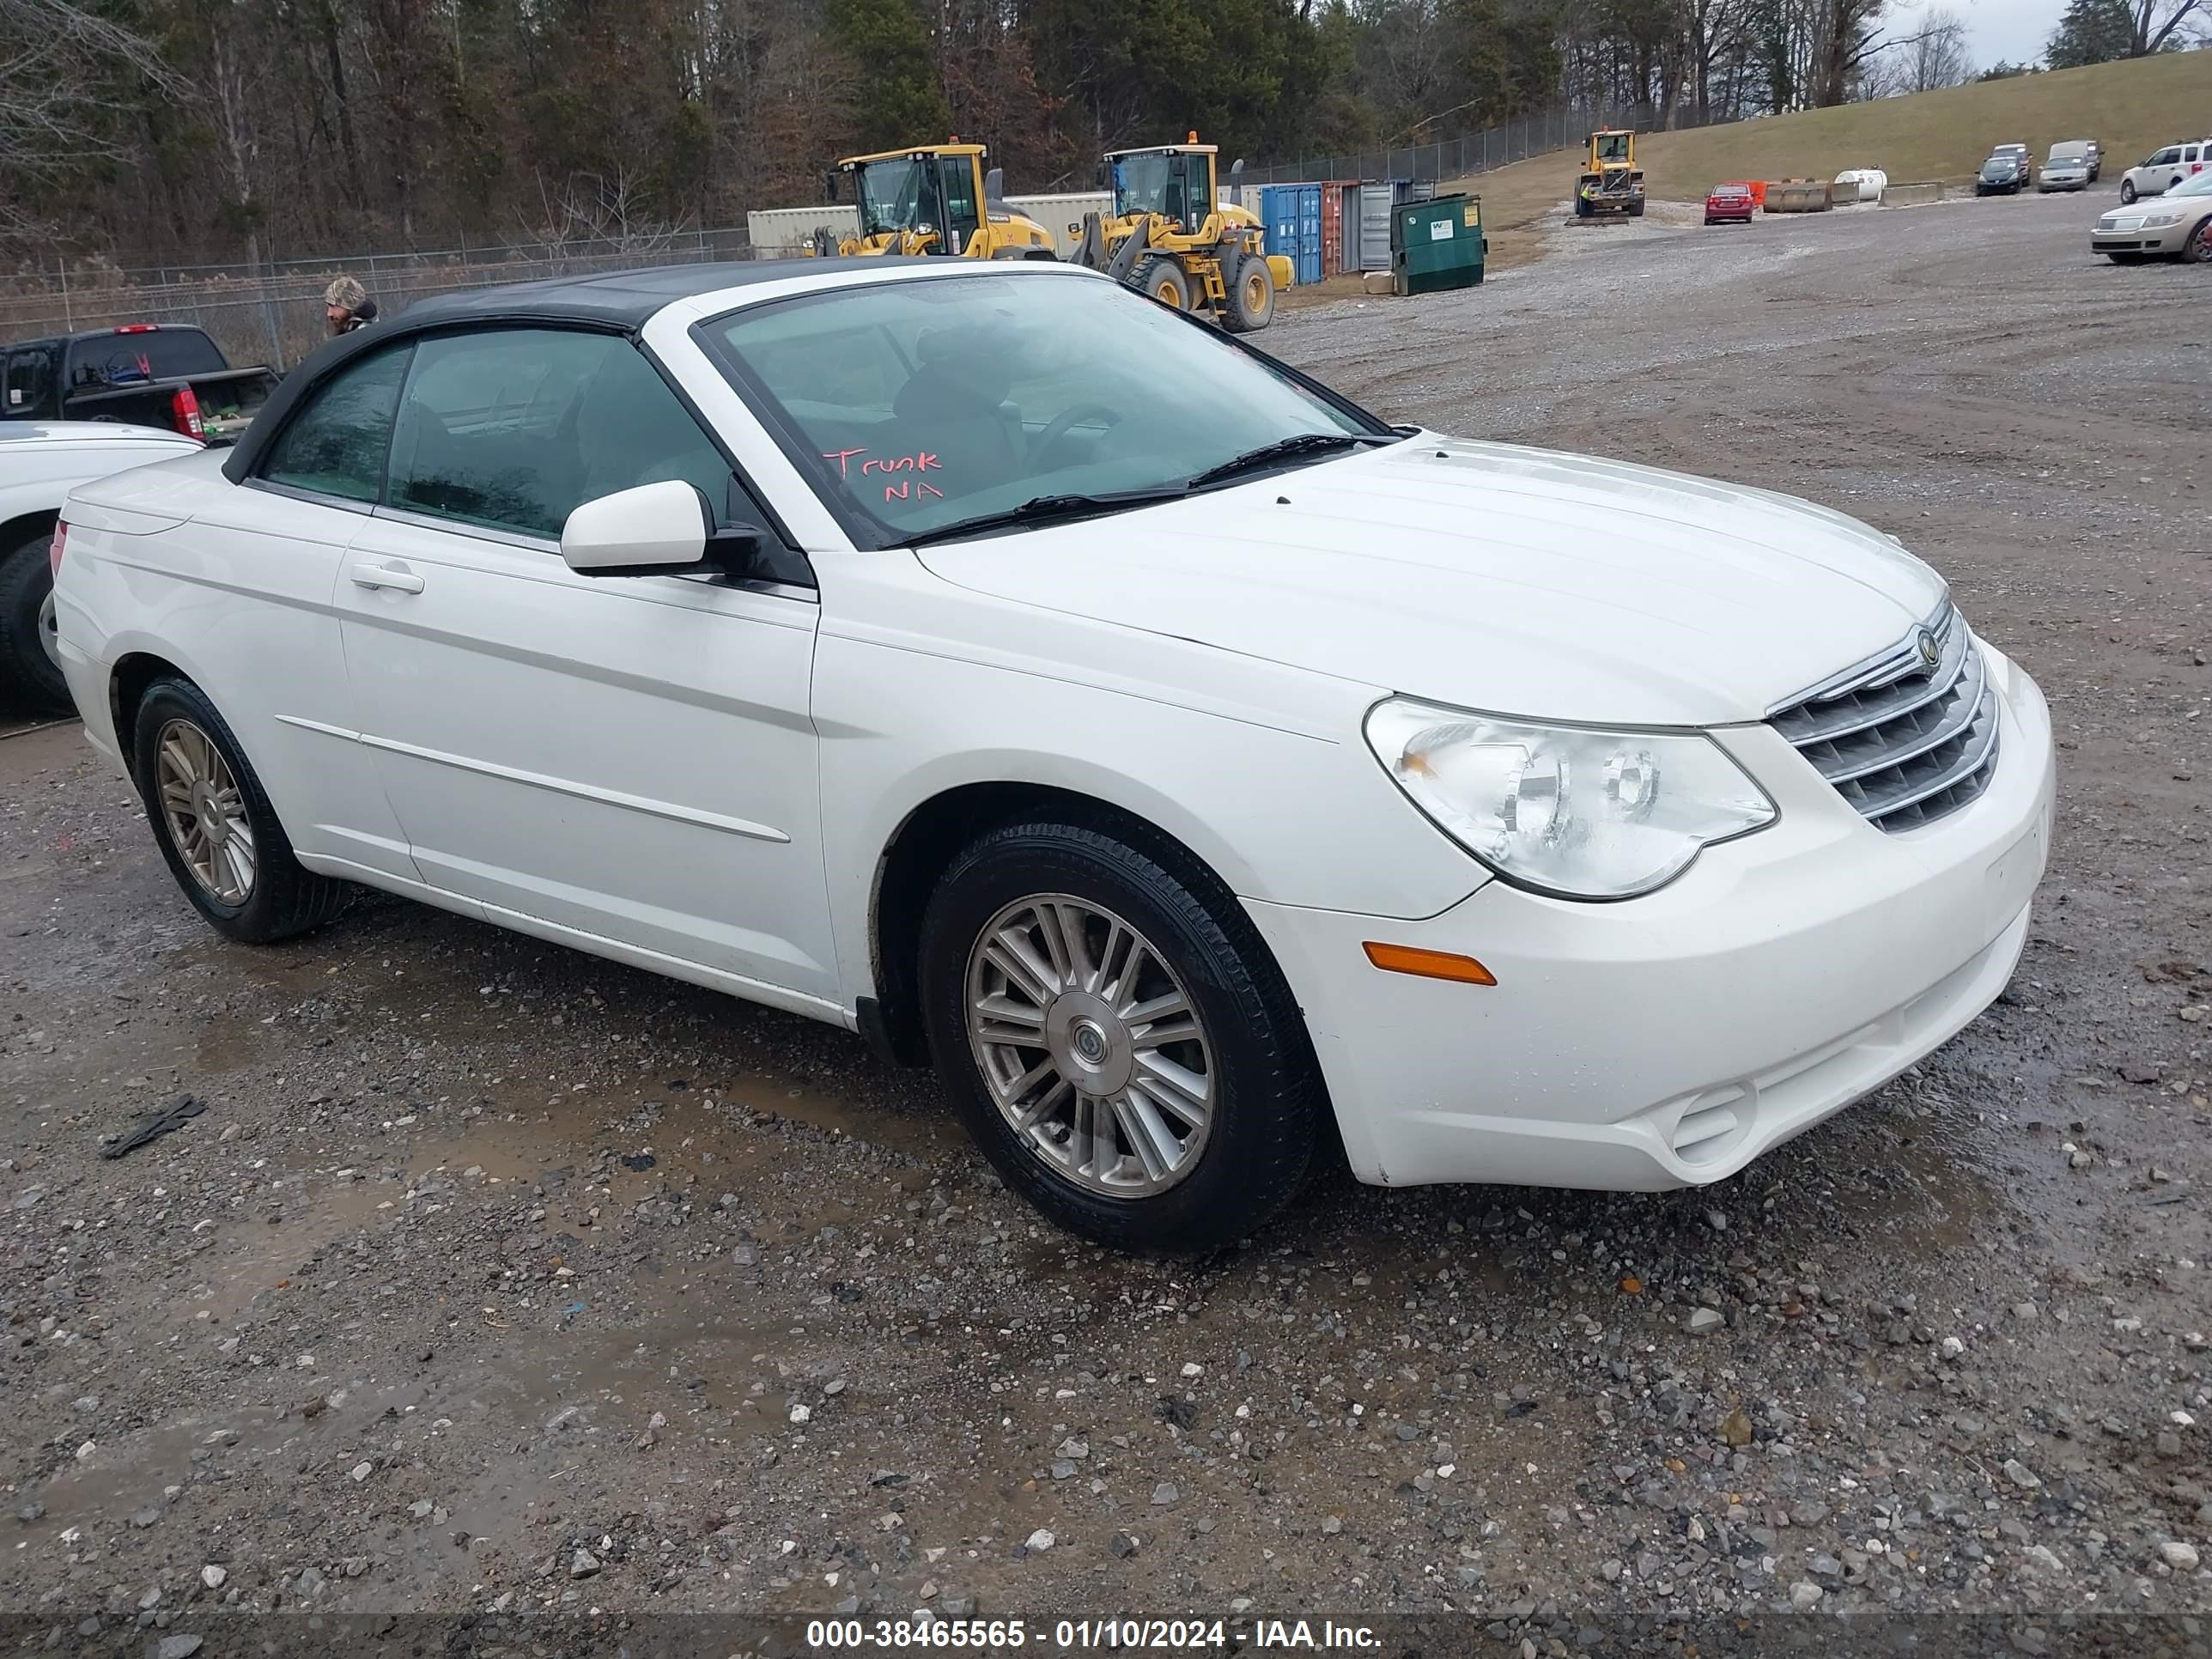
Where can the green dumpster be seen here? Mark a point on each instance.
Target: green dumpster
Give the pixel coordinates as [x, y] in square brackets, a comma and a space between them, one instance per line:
[1437, 245]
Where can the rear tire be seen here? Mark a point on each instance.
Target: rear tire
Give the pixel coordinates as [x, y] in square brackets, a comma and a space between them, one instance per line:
[1162, 280]
[30, 670]
[1186, 1143]
[1251, 296]
[214, 825]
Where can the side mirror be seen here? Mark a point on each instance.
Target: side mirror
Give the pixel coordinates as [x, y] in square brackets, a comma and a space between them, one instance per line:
[829, 186]
[1098, 175]
[655, 530]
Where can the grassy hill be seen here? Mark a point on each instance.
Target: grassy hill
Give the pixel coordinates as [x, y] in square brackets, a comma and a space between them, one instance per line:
[2132, 108]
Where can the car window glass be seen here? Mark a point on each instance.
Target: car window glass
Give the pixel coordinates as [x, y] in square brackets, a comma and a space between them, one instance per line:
[2164, 158]
[27, 379]
[335, 444]
[914, 403]
[513, 429]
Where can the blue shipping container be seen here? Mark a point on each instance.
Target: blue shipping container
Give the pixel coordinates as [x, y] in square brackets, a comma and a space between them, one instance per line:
[1309, 260]
[1292, 214]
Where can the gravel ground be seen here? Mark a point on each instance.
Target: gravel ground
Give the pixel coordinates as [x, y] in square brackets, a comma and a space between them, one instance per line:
[497, 1278]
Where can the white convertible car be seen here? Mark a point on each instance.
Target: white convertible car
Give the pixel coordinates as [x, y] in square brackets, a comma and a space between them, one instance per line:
[992, 661]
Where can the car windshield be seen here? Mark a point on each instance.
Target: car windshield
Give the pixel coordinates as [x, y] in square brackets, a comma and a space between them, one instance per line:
[917, 404]
[1997, 167]
[2197, 185]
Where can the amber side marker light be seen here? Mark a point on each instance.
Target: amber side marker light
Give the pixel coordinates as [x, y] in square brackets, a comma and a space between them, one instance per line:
[1429, 964]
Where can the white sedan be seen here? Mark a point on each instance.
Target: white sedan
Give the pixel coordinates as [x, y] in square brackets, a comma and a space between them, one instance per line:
[41, 461]
[1032, 679]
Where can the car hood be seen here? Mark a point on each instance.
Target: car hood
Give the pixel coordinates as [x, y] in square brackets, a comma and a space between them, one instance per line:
[1490, 576]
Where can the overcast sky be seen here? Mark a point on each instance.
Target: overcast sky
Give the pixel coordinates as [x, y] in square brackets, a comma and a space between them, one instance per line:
[2015, 30]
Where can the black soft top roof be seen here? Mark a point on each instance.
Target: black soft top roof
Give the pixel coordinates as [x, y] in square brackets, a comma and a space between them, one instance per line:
[619, 299]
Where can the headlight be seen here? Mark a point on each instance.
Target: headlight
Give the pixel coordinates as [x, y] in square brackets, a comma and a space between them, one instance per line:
[1583, 814]
[2160, 221]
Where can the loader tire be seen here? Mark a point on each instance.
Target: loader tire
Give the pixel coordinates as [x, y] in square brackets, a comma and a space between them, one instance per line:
[1251, 296]
[1162, 280]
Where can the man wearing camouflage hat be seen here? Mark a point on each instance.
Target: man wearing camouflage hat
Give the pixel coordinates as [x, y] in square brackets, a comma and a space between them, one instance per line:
[347, 304]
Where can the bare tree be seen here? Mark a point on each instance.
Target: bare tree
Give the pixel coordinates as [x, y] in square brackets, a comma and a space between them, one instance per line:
[2156, 21]
[56, 58]
[593, 213]
[1937, 56]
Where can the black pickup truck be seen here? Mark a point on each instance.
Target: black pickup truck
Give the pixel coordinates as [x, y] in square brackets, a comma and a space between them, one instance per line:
[161, 374]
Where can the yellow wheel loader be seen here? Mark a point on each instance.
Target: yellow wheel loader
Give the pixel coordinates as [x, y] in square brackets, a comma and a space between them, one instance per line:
[1611, 181]
[1171, 236]
[934, 198]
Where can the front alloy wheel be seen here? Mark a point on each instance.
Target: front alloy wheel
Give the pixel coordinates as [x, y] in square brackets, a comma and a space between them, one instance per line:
[1115, 1035]
[1090, 1046]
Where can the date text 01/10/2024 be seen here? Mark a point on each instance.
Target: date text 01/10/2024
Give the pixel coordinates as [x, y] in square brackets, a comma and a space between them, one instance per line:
[1183, 1635]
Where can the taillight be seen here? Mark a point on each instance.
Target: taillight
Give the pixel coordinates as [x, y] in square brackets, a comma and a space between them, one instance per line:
[185, 413]
[54, 549]
[137, 328]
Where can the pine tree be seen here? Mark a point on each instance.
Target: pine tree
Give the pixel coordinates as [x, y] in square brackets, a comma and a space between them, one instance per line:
[2091, 31]
[899, 99]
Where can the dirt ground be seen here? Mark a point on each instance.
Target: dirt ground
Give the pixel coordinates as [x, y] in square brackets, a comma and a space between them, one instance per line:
[497, 1277]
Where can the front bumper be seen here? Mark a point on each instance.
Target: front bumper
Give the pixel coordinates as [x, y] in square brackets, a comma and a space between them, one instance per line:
[1669, 1040]
[2152, 239]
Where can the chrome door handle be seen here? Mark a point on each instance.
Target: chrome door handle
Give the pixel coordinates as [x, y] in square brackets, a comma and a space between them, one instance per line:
[379, 575]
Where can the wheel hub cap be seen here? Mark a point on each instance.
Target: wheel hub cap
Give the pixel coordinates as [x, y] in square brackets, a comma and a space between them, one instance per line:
[1092, 1051]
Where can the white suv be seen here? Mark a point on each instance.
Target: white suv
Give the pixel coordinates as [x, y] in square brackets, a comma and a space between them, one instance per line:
[2163, 171]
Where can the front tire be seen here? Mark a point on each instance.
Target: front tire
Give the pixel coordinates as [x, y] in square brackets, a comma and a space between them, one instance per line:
[2197, 250]
[1251, 296]
[1163, 279]
[2127, 192]
[214, 825]
[1117, 1037]
[30, 661]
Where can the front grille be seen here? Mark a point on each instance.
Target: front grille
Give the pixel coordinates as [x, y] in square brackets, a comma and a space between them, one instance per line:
[1905, 743]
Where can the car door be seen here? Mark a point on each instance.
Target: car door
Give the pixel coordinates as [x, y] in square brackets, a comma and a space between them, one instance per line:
[625, 759]
[260, 561]
[2158, 173]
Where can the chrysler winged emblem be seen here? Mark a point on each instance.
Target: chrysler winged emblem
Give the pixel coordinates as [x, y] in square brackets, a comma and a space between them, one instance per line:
[1931, 652]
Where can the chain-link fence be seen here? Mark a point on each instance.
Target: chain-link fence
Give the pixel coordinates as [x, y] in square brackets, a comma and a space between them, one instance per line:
[273, 313]
[1563, 128]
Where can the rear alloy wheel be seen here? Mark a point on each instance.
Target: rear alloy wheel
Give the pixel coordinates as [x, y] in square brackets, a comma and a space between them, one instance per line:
[1117, 1037]
[1251, 296]
[30, 652]
[2199, 249]
[214, 825]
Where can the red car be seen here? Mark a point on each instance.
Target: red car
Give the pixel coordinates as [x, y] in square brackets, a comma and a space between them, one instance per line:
[1727, 203]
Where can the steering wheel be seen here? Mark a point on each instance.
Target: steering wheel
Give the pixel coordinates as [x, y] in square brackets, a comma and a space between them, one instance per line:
[1066, 422]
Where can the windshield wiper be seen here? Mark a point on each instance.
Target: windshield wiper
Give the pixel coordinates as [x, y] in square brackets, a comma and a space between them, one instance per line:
[1283, 449]
[1044, 509]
